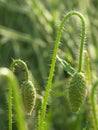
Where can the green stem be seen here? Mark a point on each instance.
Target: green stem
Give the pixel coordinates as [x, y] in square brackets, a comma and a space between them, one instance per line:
[10, 107]
[48, 87]
[94, 103]
[20, 62]
[6, 73]
[88, 72]
[82, 42]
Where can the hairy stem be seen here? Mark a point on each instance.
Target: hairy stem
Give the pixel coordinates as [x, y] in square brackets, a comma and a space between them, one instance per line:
[93, 102]
[13, 85]
[90, 121]
[10, 107]
[48, 87]
[20, 62]
[88, 72]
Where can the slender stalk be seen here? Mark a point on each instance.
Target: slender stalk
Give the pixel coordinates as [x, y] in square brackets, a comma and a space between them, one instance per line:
[20, 62]
[10, 107]
[94, 103]
[13, 85]
[82, 42]
[88, 72]
[90, 120]
[48, 87]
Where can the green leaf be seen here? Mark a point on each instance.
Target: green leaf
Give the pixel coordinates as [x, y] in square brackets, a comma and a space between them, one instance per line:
[66, 66]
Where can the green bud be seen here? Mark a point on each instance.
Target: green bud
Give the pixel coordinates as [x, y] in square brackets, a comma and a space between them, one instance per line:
[28, 96]
[77, 91]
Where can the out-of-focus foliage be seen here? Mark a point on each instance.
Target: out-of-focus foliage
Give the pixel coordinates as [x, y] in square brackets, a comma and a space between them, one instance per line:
[28, 30]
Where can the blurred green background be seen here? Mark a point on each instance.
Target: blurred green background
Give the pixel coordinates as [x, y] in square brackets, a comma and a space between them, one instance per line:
[28, 30]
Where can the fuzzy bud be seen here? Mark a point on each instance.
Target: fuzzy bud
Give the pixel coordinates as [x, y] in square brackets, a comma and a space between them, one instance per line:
[77, 91]
[28, 96]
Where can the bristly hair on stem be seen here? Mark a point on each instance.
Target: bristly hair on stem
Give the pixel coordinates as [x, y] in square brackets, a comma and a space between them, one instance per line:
[24, 66]
[53, 62]
[13, 87]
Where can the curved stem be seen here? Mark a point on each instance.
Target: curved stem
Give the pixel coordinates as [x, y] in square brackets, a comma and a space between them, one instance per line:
[20, 62]
[82, 42]
[6, 73]
[94, 104]
[48, 87]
